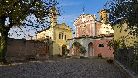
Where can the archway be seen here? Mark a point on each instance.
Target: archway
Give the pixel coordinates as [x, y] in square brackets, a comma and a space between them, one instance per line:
[64, 48]
[76, 48]
[90, 49]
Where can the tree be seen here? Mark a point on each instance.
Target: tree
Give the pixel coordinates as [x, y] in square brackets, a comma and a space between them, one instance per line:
[125, 12]
[83, 50]
[124, 9]
[80, 48]
[17, 11]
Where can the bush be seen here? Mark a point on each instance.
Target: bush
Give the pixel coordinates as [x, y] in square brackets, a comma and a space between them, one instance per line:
[82, 50]
[110, 61]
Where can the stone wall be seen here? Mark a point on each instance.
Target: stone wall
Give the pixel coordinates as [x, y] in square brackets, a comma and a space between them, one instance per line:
[20, 49]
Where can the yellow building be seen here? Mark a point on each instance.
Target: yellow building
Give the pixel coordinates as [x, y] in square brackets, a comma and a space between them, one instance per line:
[122, 35]
[58, 33]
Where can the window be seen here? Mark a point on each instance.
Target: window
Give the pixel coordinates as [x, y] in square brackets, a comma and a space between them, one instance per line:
[107, 32]
[62, 35]
[59, 36]
[101, 45]
[47, 36]
[65, 37]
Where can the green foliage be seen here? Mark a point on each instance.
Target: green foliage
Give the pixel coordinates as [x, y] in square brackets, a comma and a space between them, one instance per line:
[77, 44]
[17, 12]
[124, 10]
[82, 50]
[114, 44]
[80, 47]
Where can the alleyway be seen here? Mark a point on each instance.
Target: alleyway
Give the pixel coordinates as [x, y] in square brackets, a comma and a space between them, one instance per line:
[63, 68]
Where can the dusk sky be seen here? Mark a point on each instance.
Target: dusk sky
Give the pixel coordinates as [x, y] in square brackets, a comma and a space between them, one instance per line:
[71, 9]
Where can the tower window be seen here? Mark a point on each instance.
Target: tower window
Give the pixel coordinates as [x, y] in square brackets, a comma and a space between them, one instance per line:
[65, 37]
[62, 35]
[101, 45]
[59, 36]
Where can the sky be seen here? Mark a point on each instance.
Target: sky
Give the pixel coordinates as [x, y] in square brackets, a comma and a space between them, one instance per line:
[69, 10]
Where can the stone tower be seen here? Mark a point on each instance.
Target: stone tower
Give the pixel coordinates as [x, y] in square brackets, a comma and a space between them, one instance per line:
[104, 16]
[53, 16]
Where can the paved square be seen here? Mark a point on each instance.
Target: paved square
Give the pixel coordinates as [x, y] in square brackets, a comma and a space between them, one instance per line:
[63, 68]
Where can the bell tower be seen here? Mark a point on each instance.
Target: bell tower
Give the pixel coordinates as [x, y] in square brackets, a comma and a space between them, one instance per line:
[104, 16]
[53, 16]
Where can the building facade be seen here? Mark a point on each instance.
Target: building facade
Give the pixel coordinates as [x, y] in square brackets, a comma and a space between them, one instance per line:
[85, 25]
[93, 35]
[58, 33]
[93, 46]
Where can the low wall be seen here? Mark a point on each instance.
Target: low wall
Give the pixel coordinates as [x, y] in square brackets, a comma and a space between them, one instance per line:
[20, 49]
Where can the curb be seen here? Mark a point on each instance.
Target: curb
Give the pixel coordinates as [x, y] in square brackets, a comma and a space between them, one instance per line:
[123, 69]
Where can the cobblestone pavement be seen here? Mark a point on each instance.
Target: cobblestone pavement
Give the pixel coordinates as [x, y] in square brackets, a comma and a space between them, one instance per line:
[63, 68]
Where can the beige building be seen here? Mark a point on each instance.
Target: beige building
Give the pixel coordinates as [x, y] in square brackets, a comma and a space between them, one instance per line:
[58, 33]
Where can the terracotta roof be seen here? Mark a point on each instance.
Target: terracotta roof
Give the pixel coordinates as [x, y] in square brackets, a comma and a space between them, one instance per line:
[94, 37]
